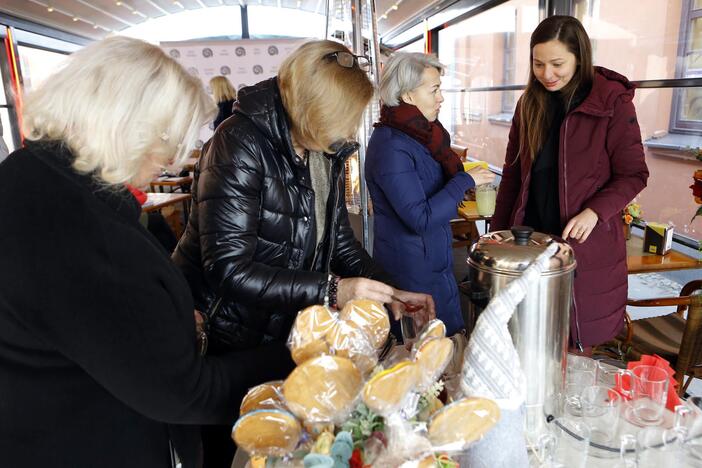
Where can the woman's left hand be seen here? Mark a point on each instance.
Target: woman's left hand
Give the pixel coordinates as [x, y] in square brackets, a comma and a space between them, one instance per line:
[419, 305]
[580, 226]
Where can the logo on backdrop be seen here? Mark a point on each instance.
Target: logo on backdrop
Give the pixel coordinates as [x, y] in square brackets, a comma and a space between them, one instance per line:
[225, 70]
[257, 69]
[175, 53]
[240, 51]
[207, 52]
[193, 71]
[242, 85]
[272, 50]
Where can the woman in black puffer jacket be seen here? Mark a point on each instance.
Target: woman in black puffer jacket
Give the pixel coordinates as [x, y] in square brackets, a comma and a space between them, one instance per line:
[269, 233]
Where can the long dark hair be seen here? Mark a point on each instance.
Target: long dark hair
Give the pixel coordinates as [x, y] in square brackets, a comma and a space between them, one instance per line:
[533, 117]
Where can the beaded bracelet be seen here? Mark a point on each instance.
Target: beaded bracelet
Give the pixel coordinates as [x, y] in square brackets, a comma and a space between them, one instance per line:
[332, 289]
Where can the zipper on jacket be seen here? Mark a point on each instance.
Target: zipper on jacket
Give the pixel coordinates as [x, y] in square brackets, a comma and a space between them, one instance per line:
[335, 186]
[578, 342]
[332, 237]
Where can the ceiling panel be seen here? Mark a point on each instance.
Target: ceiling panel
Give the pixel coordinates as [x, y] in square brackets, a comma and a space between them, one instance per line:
[96, 18]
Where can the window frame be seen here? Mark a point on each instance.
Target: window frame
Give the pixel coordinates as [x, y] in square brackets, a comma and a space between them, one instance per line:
[677, 123]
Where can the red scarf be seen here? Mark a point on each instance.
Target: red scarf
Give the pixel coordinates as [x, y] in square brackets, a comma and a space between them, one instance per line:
[409, 120]
[138, 194]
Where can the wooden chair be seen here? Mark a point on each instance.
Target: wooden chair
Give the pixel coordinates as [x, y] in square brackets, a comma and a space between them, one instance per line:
[673, 337]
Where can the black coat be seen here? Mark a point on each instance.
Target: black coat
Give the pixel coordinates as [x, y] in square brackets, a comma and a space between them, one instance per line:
[224, 112]
[97, 342]
[250, 226]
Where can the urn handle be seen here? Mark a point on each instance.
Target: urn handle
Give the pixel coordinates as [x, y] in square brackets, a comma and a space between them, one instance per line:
[521, 234]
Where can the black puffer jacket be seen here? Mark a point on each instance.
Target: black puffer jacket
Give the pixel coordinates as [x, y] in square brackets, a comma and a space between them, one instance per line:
[252, 215]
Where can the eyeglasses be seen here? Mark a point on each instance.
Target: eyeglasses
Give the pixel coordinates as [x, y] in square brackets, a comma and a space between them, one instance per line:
[348, 60]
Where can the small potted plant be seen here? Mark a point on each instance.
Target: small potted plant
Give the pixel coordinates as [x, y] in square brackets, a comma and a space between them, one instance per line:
[632, 212]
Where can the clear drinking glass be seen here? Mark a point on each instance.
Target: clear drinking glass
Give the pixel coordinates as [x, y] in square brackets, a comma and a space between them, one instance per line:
[600, 407]
[659, 447]
[485, 198]
[627, 452]
[580, 373]
[607, 374]
[409, 329]
[648, 393]
[572, 441]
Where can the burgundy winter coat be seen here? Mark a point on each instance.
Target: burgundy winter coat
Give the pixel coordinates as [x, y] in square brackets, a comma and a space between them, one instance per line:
[601, 166]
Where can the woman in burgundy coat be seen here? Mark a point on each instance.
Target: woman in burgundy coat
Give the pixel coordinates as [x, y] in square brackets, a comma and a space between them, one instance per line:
[574, 160]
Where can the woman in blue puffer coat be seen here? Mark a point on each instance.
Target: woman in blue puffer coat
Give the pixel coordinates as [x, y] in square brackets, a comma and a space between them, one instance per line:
[416, 183]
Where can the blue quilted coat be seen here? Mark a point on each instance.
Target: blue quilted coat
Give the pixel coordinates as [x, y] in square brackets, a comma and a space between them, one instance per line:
[412, 207]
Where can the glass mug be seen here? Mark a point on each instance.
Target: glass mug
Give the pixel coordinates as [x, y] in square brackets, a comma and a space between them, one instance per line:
[600, 409]
[581, 372]
[485, 198]
[648, 393]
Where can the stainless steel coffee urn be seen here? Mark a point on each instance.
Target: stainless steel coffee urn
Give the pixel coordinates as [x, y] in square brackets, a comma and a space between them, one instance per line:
[539, 326]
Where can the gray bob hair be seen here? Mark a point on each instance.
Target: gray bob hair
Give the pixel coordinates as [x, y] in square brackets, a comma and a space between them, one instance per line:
[403, 73]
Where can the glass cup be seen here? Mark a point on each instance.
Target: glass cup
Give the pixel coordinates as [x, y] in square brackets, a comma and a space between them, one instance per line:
[485, 198]
[608, 375]
[566, 445]
[648, 393]
[580, 373]
[600, 408]
[409, 329]
[659, 447]
[627, 452]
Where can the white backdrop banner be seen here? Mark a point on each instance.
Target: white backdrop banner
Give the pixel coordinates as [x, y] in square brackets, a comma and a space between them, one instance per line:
[243, 62]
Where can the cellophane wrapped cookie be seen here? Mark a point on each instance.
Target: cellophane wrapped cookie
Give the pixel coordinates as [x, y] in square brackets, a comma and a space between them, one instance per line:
[432, 357]
[306, 338]
[323, 389]
[371, 317]
[264, 396]
[461, 423]
[432, 329]
[387, 391]
[267, 432]
[346, 340]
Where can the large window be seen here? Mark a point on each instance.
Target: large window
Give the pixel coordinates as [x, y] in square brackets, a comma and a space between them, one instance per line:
[687, 104]
[37, 65]
[637, 38]
[416, 46]
[654, 40]
[483, 54]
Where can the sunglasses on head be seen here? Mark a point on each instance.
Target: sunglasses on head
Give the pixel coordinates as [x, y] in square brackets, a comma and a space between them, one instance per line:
[348, 60]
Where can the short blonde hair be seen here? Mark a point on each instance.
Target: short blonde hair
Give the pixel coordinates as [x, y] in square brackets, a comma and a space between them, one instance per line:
[118, 104]
[324, 100]
[222, 89]
[403, 73]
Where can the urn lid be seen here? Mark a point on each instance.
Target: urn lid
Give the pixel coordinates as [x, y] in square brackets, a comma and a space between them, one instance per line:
[510, 252]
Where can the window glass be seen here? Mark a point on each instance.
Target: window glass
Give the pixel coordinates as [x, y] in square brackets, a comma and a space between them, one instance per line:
[37, 65]
[475, 120]
[491, 48]
[266, 21]
[637, 38]
[416, 46]
[6, 129]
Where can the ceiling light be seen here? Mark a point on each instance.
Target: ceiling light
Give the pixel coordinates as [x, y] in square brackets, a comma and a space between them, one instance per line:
[394, 7]
[118, 3]
[75, 18]
[49, 8]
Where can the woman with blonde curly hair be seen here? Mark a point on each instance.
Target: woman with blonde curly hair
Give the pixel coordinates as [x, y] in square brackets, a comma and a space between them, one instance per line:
[97, 335]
